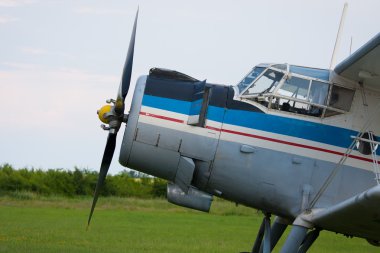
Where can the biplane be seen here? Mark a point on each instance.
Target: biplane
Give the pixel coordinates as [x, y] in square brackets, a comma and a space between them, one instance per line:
[295, 142]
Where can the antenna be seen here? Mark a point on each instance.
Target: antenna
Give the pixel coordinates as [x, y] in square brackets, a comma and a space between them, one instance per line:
[351, 46]
[338, 36]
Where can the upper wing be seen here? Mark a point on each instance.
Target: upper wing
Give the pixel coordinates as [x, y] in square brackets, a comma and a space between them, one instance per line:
[364, 64]
[358, 216]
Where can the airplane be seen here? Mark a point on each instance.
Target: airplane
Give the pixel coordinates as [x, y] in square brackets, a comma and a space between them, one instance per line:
[295, 142]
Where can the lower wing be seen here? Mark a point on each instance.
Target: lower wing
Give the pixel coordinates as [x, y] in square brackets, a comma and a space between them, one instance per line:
[358, 216]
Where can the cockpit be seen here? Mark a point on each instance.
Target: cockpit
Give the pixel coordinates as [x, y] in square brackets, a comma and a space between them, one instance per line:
[295, 89]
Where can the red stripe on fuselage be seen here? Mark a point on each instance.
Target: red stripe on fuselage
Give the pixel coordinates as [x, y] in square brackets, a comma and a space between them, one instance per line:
[261, 137]
[161, 117]
[295, 144]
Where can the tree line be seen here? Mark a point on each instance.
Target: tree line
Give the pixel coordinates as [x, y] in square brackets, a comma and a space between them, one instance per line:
[79, 182]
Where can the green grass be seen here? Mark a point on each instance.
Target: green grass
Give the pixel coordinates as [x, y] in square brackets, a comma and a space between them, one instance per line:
[30, 223]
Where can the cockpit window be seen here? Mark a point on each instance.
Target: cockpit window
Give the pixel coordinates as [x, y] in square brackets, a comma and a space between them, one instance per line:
[341, 98]
[314, 93]
[248, 80]
[295, 87]
[266, 83]
[323, 74]
[300, 88]
[318, 93]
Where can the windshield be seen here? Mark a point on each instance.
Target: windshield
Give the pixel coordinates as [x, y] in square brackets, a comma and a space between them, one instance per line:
[250, 78]
[266, 83]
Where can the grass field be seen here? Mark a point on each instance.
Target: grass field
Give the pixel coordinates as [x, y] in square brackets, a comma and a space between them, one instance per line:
[29, 223]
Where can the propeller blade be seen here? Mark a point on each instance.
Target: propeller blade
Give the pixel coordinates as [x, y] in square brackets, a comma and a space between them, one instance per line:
[106, 162]
[127, 70]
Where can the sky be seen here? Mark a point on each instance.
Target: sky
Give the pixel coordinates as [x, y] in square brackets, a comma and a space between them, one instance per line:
[61, 59]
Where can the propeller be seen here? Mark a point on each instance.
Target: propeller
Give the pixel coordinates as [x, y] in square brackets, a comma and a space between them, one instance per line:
[113, 115]
[127, 70]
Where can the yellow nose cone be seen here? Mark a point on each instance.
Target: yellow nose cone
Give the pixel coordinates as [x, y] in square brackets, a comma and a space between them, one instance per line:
[102, 112]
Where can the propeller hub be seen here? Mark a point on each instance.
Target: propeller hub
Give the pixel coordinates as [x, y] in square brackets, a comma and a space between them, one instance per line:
[103, 113]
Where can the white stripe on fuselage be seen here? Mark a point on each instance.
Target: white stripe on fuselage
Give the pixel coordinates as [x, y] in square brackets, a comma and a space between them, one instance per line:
[257, 138]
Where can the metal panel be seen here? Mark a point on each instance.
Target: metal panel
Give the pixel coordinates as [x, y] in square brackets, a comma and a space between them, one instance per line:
[154, 161]
[252, 178]
[201, 174]
[199, 147]
[147, 135]
[158, 136]
[184, 173]
[169, 140]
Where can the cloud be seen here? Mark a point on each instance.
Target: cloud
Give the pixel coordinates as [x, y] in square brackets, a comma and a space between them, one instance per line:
[52, 98]
[19, 66]
[7, 19]
[42, 51]
[100, 11]
[34, 51]
[48, 115]
[15, 3]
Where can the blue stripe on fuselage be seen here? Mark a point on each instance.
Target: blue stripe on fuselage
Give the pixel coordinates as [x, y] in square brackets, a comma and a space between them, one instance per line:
[265, 122]
[174, 105]
[292, 127]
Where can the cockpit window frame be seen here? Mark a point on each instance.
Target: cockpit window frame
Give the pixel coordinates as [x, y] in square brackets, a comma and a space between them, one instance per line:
[258, 77]
[254, 80]
[266, 100]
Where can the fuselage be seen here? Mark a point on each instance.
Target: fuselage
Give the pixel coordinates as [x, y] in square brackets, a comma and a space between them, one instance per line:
[248, 148]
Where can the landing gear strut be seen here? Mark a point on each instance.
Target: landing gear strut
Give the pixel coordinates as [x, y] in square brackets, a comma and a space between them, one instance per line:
[271, 235]
[309, 240]
[294, 240]
[299, 239]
